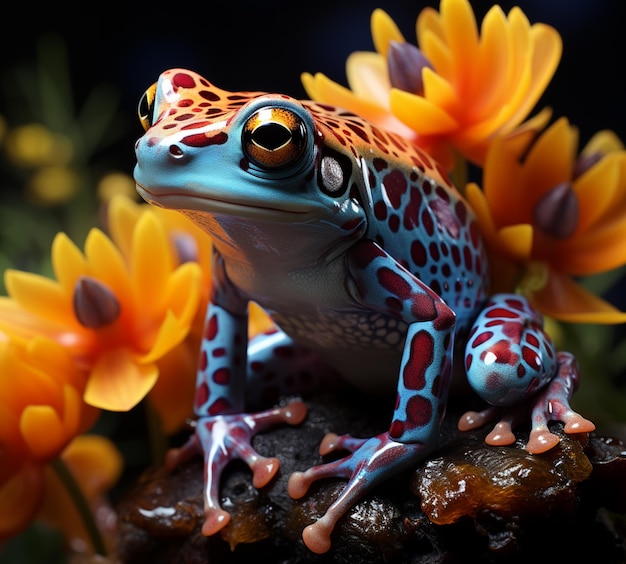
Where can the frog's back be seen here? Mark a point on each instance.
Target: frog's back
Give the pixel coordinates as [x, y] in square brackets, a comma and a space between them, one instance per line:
[413, 210]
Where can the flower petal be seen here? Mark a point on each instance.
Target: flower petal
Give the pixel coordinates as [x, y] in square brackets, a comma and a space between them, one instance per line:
[421, 115]
[550, 160]
[259, 320]
[547, 51]
[69, 263]
[435, 50]
[603, 142]
[514, 241]
[565, 300]
[597, 251]
[594, 202]
[20, 498]
[152, 261]
[107, 264]
[368, 78]
[429, 21]
[438, 90]
[322, 89]
[182, 293]
[95, 462]
[461, 34]
[384, 30]
[518, 240]
[122, 216]
[43, 431]
[493, 66]
[117, 382]
[54, 358]
[18, 322]
[501, 184]
[171, 333]
[23, 384]
[37, 294]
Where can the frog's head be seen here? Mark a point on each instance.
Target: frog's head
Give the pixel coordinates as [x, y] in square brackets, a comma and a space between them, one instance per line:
[220, 156]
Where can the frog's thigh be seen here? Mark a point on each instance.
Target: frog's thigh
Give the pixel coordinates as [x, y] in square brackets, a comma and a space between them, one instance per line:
[509, 356]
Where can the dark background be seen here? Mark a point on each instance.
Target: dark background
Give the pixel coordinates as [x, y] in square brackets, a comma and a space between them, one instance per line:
[254, 45]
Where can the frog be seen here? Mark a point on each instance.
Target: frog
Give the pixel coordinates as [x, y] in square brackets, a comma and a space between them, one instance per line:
[372, 267]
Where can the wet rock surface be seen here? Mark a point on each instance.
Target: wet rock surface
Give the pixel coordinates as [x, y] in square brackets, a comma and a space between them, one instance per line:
[468, 502]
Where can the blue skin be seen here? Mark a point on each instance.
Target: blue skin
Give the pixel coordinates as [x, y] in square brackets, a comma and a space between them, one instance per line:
[366, 257]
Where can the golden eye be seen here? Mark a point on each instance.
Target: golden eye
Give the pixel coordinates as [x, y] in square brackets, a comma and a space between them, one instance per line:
[145, 109]
[274, 137]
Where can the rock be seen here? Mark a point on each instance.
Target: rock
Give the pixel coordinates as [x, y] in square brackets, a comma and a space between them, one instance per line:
[466, 502]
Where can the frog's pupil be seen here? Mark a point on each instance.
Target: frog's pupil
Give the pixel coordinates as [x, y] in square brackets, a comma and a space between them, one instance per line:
[271, 136]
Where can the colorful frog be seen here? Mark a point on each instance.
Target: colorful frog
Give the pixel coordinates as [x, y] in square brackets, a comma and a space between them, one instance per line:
[370, 263]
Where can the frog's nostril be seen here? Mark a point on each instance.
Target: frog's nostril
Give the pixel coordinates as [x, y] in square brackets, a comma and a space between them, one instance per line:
[176, 152]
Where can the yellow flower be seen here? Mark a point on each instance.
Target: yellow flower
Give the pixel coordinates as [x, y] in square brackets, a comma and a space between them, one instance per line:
[53, 185]
[459, 89]
[117, 317]
[41, 411]
[172, 395]
[34, 145]
[550, 215]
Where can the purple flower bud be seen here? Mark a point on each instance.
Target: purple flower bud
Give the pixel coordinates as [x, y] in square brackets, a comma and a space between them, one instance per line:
[583, 164]
[186, 247]
[95, 305]
[557, 212]
[405, 63]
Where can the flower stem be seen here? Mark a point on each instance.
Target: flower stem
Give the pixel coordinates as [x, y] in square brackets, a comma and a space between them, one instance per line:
[158, 441]
[77, 496]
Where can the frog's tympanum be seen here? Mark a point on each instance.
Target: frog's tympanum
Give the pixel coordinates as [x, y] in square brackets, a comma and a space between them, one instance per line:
[370, 263]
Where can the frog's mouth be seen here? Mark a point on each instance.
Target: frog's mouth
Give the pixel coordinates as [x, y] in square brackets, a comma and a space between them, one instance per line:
[183, 200]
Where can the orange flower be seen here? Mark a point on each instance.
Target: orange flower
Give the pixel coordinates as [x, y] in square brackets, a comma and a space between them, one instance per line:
[41, 411]
[173, 393]
[186, 241]
[549, 215]
[116, 317]
[459, 89]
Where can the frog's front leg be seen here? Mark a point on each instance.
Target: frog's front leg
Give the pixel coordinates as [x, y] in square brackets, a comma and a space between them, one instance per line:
[223, 430]
[379, 283]
[511, 363]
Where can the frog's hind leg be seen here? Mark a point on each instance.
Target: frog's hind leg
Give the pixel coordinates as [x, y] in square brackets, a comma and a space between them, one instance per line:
[511, 363]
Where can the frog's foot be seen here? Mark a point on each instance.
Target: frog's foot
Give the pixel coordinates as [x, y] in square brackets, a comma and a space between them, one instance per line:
[223, 438]
[371, 461]
[550, 404]
[502, 432]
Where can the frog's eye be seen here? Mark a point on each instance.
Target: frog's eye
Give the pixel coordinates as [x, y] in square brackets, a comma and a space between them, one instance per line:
[146, 107]
[274, 137]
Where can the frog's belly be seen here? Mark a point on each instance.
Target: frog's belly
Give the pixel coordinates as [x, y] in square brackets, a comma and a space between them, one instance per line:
[364, 347]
